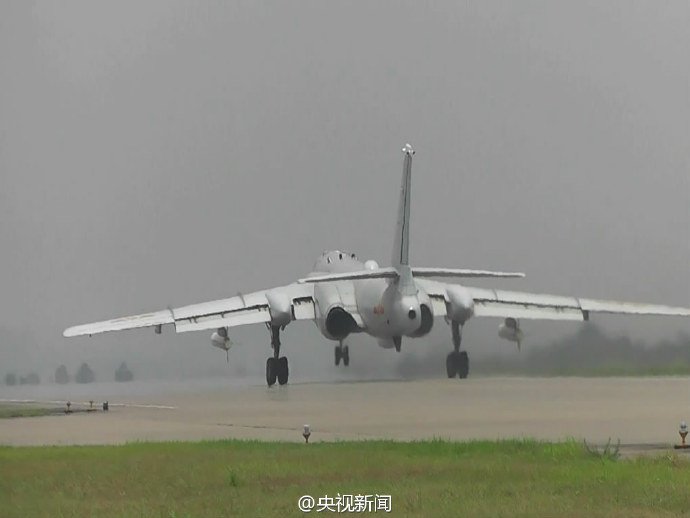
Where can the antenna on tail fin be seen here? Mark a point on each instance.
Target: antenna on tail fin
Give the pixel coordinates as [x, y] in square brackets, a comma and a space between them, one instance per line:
[401, 245]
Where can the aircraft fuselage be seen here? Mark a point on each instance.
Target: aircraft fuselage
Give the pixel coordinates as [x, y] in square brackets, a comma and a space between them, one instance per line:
[378, 307]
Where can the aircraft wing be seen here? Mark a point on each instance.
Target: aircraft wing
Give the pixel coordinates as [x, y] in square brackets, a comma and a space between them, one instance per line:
[251, 308]
[516, 304]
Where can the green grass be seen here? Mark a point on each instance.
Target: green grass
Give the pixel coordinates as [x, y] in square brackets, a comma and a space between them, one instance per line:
[9, 411]
[242, 478]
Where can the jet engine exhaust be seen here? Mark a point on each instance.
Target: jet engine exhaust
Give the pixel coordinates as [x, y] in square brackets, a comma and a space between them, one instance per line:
[339, 323]
[427, 321]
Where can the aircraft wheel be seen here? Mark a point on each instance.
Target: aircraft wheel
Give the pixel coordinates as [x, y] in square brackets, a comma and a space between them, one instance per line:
[451, 365]
[282, 370]
[338, 355]
[271, 371]
[463, 365]
[346, 355]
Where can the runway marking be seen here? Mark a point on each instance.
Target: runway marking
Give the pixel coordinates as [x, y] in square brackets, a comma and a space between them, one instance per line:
[64, 402]
[135, 405]
[267, 427]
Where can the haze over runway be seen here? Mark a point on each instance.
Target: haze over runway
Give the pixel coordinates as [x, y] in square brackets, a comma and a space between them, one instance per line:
[643, 412]
[163, 153]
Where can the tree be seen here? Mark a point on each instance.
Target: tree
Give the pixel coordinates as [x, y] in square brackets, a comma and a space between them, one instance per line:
[84, 374]
[10, 378]
[123, 373]
[61, 375]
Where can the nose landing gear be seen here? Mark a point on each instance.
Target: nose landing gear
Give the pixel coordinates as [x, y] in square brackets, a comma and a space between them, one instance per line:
[342, 352]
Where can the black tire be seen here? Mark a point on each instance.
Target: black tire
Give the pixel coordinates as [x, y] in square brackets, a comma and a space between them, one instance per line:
[451, 365]
[338, 354]
[282, 370]
[346, 355]
[271, 371]
[463, 365]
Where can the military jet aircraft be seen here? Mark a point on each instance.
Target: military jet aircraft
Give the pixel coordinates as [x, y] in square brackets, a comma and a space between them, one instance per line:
[344, 295]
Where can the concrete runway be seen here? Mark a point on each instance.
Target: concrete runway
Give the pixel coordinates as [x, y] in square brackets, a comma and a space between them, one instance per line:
[643, 413]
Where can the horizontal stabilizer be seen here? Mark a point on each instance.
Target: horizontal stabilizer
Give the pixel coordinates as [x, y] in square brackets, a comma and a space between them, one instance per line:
[392, 273]
[463, 273]
[381, 273]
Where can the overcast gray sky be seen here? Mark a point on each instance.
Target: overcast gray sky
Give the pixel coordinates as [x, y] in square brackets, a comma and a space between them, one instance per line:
[163, 153]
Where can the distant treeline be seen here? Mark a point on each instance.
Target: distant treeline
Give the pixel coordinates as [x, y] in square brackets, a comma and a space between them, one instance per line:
[590, 352]
[83, 375]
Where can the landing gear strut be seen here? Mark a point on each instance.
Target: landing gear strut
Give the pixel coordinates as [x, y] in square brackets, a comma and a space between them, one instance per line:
[276, 366]
[457, 362]
[342, 352]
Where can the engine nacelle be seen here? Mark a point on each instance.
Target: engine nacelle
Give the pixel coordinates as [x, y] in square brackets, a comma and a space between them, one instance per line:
[334, 321]
[280, 307]
[510, 330]
[460, 304]
[339, 323]
[426, 315]
[220, 339]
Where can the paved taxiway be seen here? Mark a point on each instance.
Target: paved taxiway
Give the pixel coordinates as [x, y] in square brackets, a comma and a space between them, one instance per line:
[642, 411]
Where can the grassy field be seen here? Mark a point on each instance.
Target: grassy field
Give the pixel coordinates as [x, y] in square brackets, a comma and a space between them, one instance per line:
[435, 478]
[9, 411]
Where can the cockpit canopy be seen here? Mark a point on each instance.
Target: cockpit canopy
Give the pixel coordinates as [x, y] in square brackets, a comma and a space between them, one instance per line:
[337, 255]
[333, 260]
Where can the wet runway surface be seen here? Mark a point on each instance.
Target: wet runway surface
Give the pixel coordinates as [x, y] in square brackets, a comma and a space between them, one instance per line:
[644, 413]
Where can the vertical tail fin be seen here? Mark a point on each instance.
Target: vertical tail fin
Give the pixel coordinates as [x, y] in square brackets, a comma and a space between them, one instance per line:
[401, 245]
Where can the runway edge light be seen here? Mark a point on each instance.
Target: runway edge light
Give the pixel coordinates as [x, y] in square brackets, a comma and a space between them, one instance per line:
[683, 432]
[306, 433]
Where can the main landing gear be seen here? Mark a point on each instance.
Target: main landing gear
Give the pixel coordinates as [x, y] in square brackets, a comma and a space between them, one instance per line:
[457, 362]
[342, 352]
[276, 366]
